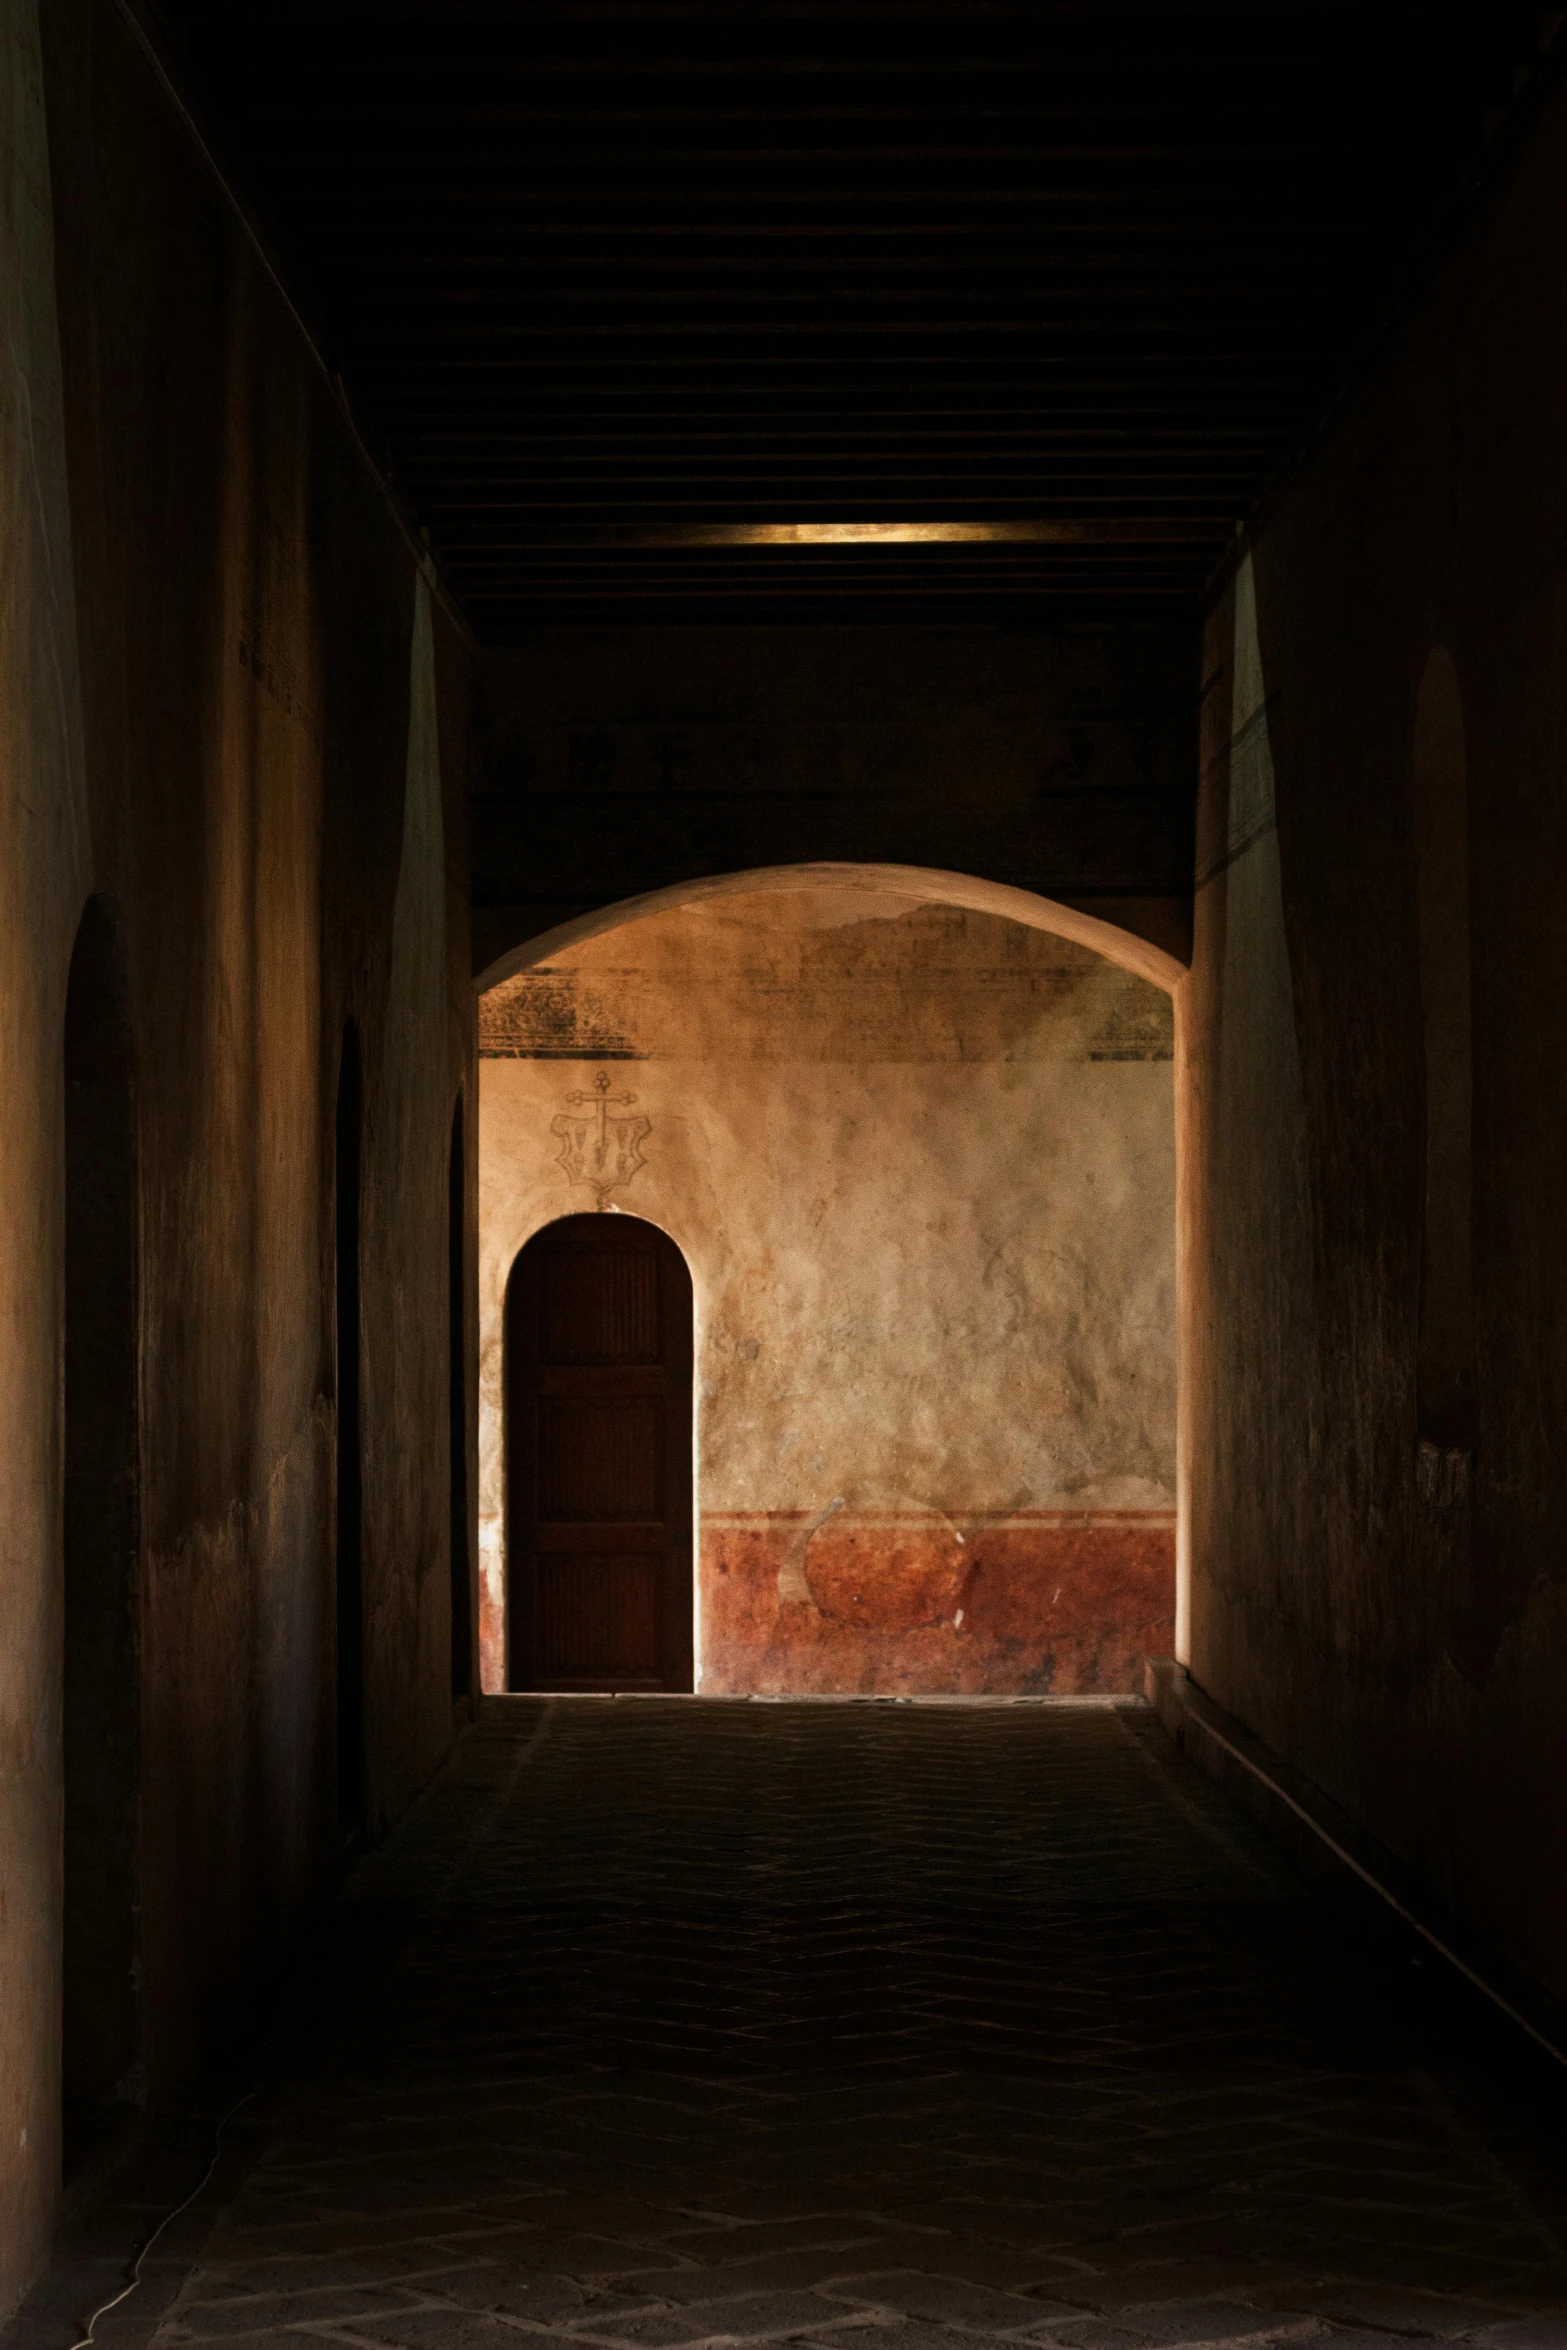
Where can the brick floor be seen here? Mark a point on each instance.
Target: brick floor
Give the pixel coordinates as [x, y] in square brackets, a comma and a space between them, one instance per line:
[865, 2026]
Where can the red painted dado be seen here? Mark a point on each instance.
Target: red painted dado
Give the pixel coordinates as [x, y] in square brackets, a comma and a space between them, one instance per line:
[913, 1603]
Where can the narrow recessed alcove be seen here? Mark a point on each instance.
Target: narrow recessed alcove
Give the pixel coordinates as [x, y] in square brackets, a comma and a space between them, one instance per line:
[918, 1156]
[101, 2024]
[350, 1466]
[457, 1409]
[1439, 809]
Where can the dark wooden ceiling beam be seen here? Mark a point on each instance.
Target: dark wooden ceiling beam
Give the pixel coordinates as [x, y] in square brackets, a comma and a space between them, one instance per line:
[603, 274]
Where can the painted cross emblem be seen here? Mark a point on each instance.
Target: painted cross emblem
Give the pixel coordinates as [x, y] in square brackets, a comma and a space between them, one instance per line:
[596, 1148]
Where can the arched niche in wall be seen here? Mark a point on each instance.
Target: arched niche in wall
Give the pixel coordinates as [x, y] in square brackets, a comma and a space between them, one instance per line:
[1440, 827]
[457, 1405]
[350, 1469]
[101, 2034]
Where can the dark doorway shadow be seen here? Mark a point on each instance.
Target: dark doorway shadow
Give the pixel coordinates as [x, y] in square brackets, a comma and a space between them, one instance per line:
[350, 1474]
[598, 1459]
[457, 1291]
[102, 2074]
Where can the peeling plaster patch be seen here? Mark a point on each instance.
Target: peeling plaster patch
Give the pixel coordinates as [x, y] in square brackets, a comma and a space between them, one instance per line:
[793, 1584]
[896, 1607]
[786, 977]
[891, 1570]
[548, 1015]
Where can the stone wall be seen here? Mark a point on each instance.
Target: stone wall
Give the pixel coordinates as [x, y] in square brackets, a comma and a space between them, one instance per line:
[233, 714]
[920, 1162]
[1374, 1144]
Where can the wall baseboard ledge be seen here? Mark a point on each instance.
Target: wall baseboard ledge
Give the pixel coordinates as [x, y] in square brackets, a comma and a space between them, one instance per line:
[1334, 1853]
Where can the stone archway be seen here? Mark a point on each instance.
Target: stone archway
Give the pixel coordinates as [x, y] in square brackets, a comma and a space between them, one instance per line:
[1024, 1285]
[1124, 947]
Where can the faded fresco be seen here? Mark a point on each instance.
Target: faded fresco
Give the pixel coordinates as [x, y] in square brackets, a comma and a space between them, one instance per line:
[921, 1163]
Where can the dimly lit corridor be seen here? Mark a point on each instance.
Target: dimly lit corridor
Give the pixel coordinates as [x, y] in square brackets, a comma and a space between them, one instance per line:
[783, 1319]
[665, 2023]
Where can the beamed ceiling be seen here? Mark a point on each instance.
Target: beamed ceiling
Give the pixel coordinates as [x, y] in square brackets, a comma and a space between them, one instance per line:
[637, 305]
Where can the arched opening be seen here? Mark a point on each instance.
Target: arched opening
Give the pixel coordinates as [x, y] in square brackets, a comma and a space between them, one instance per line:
[598, 1369]
[915, 1136]
[457, 1401]
[1125, 948]
[350, 1471]
[100, 2023]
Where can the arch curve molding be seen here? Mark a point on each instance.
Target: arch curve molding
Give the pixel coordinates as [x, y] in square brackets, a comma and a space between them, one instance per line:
[1118, 945]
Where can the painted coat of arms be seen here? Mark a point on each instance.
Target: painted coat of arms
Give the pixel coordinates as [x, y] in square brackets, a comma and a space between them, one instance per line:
[596, 1148]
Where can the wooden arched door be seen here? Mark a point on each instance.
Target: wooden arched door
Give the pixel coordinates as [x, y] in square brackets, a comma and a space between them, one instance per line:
[598, 1459]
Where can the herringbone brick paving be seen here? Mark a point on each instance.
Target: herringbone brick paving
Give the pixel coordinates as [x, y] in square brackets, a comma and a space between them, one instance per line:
[865, 2027]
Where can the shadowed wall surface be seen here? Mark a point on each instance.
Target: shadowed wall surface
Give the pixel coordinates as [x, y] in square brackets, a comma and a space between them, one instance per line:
[614, 761]
[1377, 1583]
[921, 1163]
[232, 711]
[100, 2059]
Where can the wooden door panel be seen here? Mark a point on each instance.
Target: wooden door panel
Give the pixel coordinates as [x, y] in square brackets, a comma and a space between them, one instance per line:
[599, 1537]
[598, 1456]
[601, 1305]
[601, 1379]
[601, 1460]
[598, 1620]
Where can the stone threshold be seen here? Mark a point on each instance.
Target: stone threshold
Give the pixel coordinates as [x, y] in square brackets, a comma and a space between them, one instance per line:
[496, 1703]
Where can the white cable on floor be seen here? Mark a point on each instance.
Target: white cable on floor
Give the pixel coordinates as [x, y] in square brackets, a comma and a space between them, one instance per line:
[125, 2292]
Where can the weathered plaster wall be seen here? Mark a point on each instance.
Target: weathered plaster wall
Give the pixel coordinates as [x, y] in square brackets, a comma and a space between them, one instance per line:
[45, 856]
[226, 704]
[920, 1161]
[409, 1099]
[1382, 1603]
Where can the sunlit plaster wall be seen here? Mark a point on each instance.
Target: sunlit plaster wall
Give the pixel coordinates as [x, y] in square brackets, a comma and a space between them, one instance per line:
[920, 1161]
